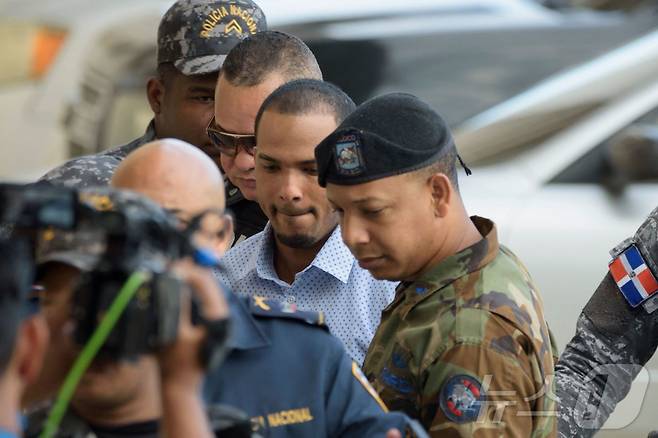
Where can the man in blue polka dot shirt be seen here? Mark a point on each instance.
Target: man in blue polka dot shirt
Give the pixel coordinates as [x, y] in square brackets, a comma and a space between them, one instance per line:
[300, 257]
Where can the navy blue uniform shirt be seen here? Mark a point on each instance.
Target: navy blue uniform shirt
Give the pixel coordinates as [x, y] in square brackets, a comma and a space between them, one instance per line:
[293, 378]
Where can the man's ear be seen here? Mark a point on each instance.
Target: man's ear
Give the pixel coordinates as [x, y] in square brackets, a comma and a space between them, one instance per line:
[442, 193]
[31, 343]
[221, 245]
[155, 91]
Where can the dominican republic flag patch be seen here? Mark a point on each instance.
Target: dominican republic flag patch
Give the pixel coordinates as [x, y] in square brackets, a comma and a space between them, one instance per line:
[634, 278]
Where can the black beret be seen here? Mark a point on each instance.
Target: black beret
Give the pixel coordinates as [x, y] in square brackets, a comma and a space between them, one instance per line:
[385, 136]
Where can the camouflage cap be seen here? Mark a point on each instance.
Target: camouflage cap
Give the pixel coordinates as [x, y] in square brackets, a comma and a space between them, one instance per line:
[83, 248]
[196, 35]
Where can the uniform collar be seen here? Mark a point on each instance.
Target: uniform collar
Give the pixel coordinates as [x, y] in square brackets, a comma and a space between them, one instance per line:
[245, 334]
[233, 194]
[334, 257]
[149, 135]
[458, 265]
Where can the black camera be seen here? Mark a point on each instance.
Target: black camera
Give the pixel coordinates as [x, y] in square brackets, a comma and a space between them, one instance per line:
[135, 235]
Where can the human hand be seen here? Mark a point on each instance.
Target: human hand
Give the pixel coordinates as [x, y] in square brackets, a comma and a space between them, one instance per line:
[180, 362]
[393, 433]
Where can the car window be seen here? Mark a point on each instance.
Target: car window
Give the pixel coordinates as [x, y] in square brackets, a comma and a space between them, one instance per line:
[460, 74]
[630, 155]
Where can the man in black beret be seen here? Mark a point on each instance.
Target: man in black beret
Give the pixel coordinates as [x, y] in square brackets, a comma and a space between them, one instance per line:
[464, 346]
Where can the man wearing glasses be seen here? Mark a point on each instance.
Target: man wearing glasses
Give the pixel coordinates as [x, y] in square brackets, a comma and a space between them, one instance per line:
[253, 69]
[248, 216]
[194, 38]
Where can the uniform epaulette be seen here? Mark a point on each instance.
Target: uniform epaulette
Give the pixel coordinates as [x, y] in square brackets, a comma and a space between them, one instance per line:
[260, 306]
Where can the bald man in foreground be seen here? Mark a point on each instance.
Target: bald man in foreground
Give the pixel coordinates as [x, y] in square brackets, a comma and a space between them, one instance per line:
[182, 179]
[306, 387]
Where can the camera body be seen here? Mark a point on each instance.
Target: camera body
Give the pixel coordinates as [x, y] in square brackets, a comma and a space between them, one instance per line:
[137, 235]
[149, 322]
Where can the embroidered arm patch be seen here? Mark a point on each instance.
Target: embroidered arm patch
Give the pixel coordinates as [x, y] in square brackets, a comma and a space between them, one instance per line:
[633, 277]
[461, 398]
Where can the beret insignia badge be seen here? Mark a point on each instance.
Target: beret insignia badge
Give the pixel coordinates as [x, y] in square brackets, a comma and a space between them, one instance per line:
[349, 160]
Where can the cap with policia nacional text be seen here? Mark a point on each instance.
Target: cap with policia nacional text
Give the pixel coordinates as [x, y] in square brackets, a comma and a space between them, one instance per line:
[388, 135]
[196, 35]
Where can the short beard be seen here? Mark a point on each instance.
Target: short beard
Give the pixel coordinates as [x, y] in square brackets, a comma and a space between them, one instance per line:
[297, 241]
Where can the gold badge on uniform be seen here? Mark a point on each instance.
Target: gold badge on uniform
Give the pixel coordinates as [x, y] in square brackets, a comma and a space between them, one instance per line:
[356, 371]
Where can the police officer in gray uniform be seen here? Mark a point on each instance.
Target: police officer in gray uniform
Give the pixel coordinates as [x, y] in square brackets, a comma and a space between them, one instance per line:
[616, 334]
[194, 37]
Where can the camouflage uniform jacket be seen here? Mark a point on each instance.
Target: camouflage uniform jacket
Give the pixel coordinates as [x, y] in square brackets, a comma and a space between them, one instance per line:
[465, 348]
[96, 170]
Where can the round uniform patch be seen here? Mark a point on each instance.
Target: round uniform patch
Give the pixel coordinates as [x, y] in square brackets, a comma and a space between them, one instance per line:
[461, 398]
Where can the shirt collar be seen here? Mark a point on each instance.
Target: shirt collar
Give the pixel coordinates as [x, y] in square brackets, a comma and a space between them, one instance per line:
[331, 256]
[254, 257]
[265, 255]
[245, 334]
[334, 257]
[149, 135]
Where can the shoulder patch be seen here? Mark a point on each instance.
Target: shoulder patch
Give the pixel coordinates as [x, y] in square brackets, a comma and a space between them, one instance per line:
[260, 306]
[635, 280]
[461, 398]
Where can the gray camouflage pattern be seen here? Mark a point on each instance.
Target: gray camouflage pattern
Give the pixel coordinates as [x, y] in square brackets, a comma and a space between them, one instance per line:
[586, 398]
[612, 343]
[96, 170]
[196, 35]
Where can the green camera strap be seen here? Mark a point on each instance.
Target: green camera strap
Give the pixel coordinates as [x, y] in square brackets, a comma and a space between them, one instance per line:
[127, 292]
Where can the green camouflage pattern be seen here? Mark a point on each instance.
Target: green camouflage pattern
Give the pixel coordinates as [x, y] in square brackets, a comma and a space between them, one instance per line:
[477, 313]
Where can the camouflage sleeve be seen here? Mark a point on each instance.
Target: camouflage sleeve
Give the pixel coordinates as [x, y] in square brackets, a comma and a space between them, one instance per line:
[83, 172]
[597, 367]
[593, 374]
[480, 390]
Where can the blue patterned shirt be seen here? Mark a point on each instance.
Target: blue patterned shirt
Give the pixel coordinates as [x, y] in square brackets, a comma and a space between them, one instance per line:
[350, 298]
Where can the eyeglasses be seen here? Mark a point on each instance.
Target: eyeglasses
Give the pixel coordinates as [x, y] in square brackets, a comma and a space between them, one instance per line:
[228, 143]
[212, 223]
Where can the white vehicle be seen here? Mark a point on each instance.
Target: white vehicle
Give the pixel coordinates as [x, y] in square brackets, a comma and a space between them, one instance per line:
[77, 85]
[570, 173]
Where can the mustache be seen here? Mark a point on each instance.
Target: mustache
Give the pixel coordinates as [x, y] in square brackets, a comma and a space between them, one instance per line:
[289, 210]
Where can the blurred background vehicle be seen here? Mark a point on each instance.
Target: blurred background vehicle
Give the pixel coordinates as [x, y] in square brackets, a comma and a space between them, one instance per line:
[75, 70]
[615, 5]
[555, 109]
